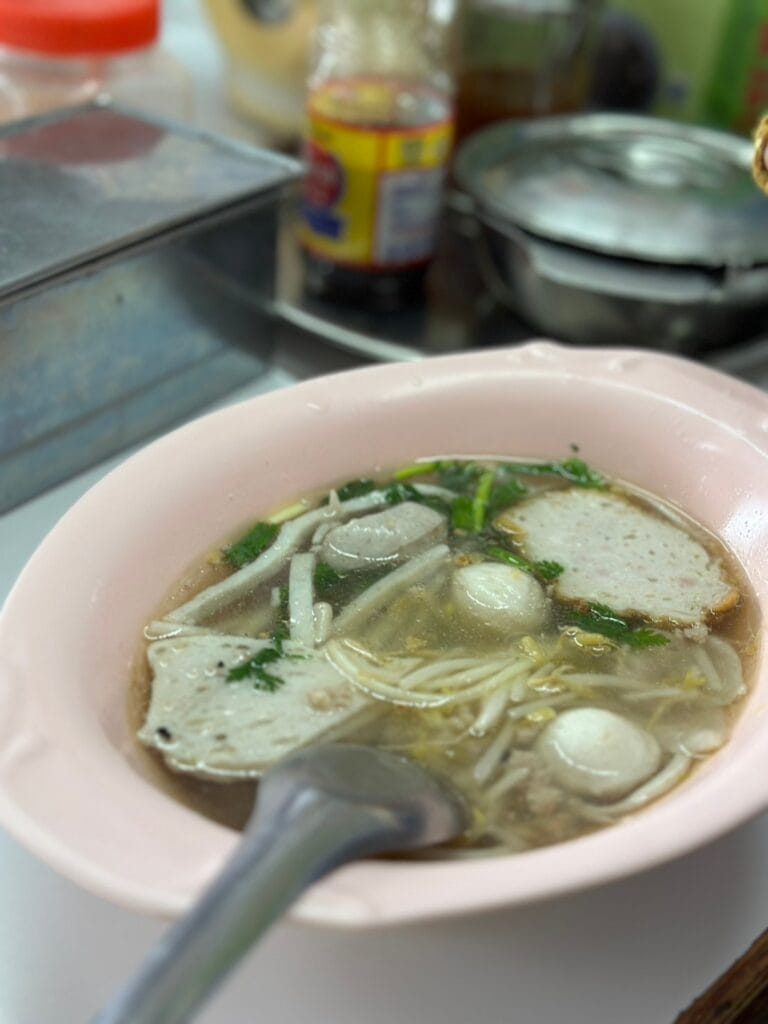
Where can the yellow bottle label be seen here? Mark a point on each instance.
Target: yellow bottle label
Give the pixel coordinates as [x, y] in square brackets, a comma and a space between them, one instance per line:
[372, 191]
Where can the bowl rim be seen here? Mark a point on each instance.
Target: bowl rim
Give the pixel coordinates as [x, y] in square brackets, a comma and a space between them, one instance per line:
[373, 893]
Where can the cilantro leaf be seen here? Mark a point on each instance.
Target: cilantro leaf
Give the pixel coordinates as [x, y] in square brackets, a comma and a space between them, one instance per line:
[544, 570]
[326, 579]
[644, 638]
[335, 587]
[399, 492]
[599, 618]
[578, 472]
[575, 471]
[251, 544]
[254, 668]
[458, 475]
[472, 512]
[505, 494]
[355, 488]
[461, 513]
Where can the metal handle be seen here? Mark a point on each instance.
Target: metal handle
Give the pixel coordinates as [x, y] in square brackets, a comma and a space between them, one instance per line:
[289, 846]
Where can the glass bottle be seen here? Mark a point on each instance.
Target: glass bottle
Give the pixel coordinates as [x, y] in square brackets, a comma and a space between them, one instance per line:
[379, 132]
[523, 59]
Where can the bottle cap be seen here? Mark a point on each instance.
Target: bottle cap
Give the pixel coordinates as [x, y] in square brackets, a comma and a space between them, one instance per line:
[72, 28]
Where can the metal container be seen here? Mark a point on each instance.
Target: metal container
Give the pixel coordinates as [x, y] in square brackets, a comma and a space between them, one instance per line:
[137, 264]
[616, 229]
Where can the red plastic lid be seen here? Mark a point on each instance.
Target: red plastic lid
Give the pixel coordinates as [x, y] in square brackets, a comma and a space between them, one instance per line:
[69, 28]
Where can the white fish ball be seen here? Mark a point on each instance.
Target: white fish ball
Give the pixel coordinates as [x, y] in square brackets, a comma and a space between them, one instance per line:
[597, 753]
[501, 597]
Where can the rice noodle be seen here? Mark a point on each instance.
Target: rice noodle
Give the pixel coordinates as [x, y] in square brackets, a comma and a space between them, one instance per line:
[536, 705]
[483, 670]
[319, 535]
[490, 713]
[499, 698]
[673, 772]
[414, 571]
[491, 758]
[386, 691]
[364, 670]
[437, 668]
[301, 599]
[508, 781]
[270, 562]
[322, 616]
[708, 670]
[728, 665]
[161, 629]
[388, 678]
[662, 692]
[602, 679]
[435, 491]
[542, 672]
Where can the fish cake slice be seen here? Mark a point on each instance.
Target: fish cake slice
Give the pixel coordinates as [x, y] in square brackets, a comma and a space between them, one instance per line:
[615, 553]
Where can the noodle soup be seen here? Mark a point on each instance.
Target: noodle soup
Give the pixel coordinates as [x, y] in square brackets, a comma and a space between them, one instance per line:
[561, 647]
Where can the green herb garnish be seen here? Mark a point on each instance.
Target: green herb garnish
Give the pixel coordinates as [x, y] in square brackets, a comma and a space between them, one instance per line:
[457, 475]
[543, 570]
[505, 494]
[480, 500]
[355, 488]
[325, 578]
[254, 668]
[280, 634]
[399, 492]
[417, 469]
[462, 515]
[575, 471]
[471, 512]
[333, 586]
[251, 545]
[599, 618]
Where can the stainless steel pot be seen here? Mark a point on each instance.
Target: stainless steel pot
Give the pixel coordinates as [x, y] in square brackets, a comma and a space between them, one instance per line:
[615, 229]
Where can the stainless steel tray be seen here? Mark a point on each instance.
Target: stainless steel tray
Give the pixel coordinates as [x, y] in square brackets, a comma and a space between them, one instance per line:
[137, 268]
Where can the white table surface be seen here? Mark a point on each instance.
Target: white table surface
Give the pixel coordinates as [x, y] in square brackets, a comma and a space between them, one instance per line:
[634, 952]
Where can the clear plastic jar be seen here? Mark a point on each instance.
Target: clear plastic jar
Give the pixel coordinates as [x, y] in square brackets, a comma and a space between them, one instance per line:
[58, 53]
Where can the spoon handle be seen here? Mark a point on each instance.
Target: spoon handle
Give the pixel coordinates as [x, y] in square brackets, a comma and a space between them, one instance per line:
[285, 849]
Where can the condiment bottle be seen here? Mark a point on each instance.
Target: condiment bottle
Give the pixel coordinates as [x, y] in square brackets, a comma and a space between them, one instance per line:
[379, 132]
[58, 53]
[523, 59]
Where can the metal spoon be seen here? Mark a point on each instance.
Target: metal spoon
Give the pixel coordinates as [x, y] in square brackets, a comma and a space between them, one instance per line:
[316, 810]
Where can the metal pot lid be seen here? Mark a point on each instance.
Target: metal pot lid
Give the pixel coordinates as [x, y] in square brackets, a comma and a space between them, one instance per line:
[629, 186]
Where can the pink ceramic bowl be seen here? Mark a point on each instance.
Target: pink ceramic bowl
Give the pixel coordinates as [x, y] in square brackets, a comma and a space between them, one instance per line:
[69, 786]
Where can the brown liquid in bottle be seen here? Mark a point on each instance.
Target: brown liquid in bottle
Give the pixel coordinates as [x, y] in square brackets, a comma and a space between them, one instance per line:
[488, 95]
[376, 283]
